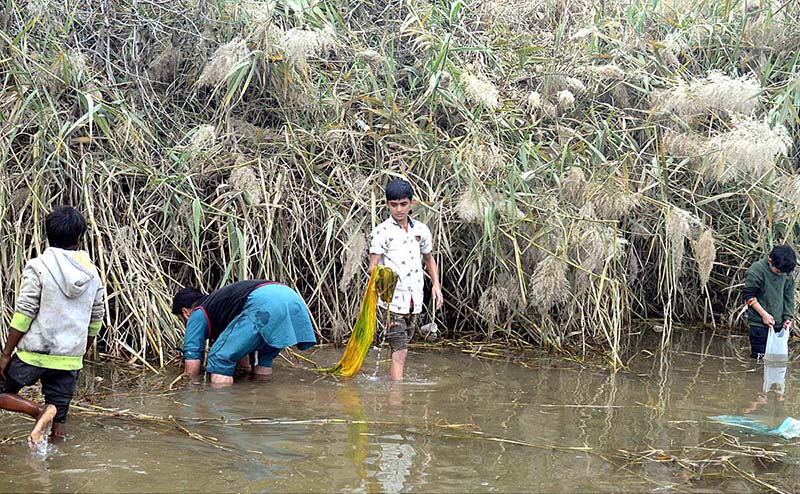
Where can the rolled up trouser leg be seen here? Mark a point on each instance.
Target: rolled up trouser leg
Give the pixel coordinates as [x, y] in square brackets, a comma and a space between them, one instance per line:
[239, 339]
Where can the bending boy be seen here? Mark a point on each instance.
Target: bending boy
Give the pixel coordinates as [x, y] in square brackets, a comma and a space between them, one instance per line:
[769, 295]
[239, 319]
[59, 311]
[403, 245]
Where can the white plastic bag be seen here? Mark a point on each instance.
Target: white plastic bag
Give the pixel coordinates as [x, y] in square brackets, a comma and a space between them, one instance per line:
[775, 378]
[777, 346]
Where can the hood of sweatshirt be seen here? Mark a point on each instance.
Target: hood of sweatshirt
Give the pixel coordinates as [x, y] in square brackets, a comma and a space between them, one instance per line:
[71, 269]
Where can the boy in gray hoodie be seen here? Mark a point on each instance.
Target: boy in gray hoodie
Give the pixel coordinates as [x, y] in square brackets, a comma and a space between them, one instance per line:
[59, 311]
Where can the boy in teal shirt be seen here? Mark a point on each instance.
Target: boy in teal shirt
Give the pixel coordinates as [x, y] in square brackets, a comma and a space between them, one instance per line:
[769, 295]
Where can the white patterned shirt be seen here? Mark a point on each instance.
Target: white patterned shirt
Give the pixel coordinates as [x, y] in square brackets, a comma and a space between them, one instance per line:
[402, 251]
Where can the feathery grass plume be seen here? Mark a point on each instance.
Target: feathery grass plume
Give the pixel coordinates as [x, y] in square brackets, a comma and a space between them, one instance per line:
[548, 285]
[371, 57]
[750, 149]
[269, 38]
[671, 46]
[715, 92]
[164, 66]
[558, 83]
[789, 190]
[765, 23]
[678, 229]
[125, 239]
[480, 91]
[471, 207]
[445, 80]
[484, 158]
[534, 101]
[705, 253]
[244, 180]
[353, 255]
[74, 68]
[257, 13]
[203, 138]
[225, 58]
[683, 144]
[612, 200]
[498, 300]
[301, 44]
[566, 100]
[608, 71]
[574, 186]
[676, 8]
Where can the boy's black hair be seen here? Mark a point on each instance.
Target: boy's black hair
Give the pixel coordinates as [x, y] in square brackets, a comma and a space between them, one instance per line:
[398, 189]
[783, 258]
[185, 299]
[65, 227]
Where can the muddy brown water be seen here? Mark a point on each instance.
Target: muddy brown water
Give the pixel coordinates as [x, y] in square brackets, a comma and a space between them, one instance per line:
[458, 424]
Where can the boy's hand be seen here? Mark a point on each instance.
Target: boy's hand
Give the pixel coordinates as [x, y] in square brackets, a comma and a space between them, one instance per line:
[436, 291]
[787, 324]
[768, 320]
[4, 361]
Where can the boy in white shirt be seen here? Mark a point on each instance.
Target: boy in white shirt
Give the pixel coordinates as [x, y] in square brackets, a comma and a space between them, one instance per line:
[404, 245]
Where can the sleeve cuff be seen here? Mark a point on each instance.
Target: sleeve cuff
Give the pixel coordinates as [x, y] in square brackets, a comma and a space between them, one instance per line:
[21, 322]
[94, 328]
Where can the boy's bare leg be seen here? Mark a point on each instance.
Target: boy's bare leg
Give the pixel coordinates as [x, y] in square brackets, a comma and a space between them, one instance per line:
[397, 365]
[43, 421]
[244, 364]
[218, 380]
[42, 413]
[261, 372]
[59, 431]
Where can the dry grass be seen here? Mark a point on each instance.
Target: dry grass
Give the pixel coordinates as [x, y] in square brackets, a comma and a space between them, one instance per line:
[560, 145]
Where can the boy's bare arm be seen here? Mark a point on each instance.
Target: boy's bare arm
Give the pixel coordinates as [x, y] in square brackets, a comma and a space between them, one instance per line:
[374, 260]
[11, 343]
[433, 271]
[766, 317]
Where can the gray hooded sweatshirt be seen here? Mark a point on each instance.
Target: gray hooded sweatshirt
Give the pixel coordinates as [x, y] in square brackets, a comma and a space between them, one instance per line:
[60, 303]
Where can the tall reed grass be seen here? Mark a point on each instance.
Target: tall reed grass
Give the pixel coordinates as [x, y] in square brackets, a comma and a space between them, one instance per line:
[564, 153]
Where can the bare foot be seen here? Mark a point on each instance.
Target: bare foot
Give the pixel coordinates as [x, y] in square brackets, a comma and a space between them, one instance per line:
[43, 422]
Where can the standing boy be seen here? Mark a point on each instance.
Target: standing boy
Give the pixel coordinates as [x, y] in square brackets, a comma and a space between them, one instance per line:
[398, 243]
[59, 311]
[769, 295]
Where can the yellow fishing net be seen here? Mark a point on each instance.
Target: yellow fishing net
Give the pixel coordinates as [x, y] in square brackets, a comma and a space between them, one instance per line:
[381, 284]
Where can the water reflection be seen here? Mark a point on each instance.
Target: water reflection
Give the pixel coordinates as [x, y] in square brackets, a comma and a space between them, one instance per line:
[451, 428]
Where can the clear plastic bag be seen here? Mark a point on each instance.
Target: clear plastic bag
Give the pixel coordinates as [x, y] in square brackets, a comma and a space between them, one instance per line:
[777, 346]
[775, 378]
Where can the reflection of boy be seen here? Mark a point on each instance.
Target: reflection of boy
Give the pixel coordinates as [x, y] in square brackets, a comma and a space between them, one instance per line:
[769, 295]
[399, 243]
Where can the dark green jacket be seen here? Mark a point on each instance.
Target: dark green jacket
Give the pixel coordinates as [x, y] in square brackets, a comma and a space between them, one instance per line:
[775, 293]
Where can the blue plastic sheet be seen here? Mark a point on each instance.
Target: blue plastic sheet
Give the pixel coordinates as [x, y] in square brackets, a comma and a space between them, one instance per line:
[789, 429]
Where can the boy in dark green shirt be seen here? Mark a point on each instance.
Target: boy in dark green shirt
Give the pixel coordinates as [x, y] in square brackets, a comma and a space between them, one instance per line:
[769, 295]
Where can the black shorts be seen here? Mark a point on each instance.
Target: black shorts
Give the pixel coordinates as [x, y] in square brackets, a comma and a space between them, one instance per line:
[58, 386]
[401, 330]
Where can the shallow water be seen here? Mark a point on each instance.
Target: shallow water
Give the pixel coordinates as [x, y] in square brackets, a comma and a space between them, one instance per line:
[458, 423]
